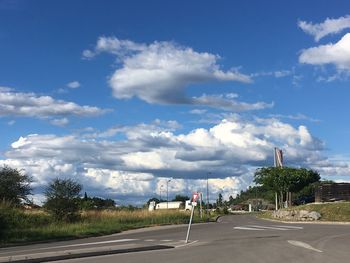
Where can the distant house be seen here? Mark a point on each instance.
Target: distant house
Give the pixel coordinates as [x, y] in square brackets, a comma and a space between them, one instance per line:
[169, 205]
[328, 192]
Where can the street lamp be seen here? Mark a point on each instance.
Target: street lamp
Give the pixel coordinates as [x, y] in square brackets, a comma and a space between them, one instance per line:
[167, 193]
[160, 193]
[209, 173]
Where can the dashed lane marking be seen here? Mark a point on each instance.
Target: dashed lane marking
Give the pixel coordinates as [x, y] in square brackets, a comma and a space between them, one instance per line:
[272, 227]
[247, 228]
[291, 227]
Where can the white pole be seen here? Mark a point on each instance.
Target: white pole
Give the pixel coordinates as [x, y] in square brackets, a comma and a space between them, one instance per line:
[189, 224]
[275, 164]
[200, 200]
[276, 201]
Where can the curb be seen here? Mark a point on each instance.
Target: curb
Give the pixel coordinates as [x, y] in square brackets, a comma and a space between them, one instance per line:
[36, 258]
[307, 222]
[217, 218]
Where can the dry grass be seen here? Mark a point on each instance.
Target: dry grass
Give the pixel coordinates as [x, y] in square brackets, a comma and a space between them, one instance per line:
[35, 225]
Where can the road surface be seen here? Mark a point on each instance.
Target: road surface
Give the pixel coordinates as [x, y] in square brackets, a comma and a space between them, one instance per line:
[237, 238]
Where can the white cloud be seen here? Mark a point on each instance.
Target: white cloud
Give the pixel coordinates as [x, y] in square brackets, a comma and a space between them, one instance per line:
[337, 54]
[160, 72]
[133, 167]
[114, 46]
[73, 85]
[298, 116]
[11, 122]
[276, 74]
[198, 111]
[14, 103]
[60, 122]
[329, 26]
[227, 102]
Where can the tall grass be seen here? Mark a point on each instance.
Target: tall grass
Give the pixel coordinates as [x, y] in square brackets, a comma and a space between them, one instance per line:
[27, 226]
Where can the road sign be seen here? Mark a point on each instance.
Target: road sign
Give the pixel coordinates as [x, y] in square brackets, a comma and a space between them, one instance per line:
[195, 196]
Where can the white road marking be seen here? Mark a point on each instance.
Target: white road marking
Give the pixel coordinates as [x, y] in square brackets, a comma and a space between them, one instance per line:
[269, 227]
[97, 243]
[291, 227]
[246, 228]
[272, 227]
[190, 243]
[166, 240]
[303, 245]
[150, 240]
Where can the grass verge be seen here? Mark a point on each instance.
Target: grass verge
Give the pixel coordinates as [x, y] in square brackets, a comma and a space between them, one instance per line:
[20, 226]
[334, 212]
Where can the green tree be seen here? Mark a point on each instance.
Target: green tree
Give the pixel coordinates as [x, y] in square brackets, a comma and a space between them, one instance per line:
[14, 185]
[285, 179]
[63, 199]
[182, 198]
[219, 201]
[230, 200]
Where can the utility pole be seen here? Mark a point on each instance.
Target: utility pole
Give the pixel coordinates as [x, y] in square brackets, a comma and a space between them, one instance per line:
[200, 204]
[208, 194]
[160, 193]
[167, 193]
[275, 164]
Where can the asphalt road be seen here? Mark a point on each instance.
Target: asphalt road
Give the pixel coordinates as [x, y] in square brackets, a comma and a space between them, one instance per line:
[238, 238]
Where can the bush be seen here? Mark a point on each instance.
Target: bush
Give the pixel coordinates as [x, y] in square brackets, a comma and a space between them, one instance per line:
[63, 199]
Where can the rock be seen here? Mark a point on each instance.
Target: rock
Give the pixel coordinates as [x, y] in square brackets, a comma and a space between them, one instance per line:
[314, 215]
[297, 215]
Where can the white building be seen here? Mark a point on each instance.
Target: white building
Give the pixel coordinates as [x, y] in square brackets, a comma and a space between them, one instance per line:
[169, 205]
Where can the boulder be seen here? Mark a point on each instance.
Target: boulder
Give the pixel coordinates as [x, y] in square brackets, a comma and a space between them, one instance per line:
[296, 215]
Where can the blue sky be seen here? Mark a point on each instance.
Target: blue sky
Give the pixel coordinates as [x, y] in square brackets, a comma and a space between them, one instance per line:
[122, 95]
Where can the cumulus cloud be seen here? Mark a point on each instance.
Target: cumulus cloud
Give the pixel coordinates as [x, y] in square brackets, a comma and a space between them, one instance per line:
[329, 26]
[145, 153]
[14, 103]
[74, 84]
[160, 72]
[337, 54]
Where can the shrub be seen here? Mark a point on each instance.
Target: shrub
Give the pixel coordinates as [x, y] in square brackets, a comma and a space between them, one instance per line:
[63, 199]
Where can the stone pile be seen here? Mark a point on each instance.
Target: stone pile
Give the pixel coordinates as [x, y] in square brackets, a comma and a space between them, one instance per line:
[297, 215]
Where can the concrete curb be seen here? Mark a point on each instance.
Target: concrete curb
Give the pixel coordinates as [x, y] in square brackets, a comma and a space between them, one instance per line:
[81, 253]
[307, 222]
[217, 218]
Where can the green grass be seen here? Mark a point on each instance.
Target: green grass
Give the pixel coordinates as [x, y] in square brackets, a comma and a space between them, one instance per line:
[339, 211]
[20, 226]
[335, 212]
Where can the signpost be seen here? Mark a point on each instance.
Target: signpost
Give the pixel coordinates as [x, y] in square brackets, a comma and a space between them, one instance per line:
[194, 199]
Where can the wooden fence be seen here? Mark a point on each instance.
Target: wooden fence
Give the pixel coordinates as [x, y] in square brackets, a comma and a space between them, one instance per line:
[329, 192]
